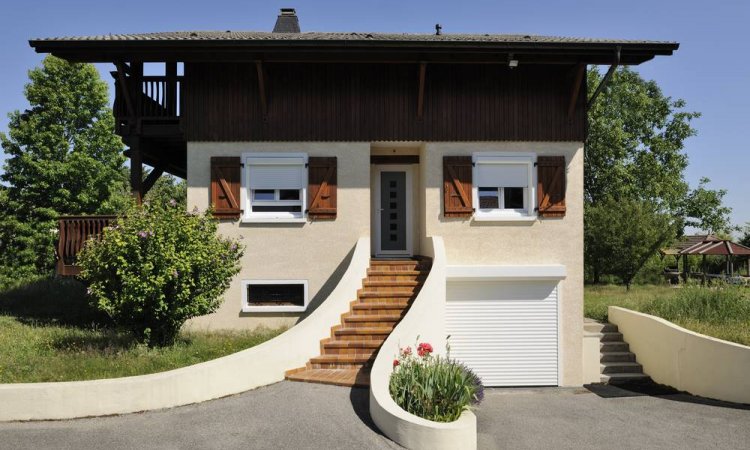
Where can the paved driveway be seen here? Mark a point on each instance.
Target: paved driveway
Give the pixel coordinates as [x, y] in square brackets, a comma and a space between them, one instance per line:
[281, 416]
[308, 416]
[609, 418]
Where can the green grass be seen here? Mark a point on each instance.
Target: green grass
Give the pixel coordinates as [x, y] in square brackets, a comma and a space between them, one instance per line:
[722, 312]
[48, 333]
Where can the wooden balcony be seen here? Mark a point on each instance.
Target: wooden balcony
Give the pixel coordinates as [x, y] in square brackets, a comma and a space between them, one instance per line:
[73, 233]
[149, 107]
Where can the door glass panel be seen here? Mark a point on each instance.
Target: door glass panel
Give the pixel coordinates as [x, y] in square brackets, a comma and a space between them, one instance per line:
[393, 214]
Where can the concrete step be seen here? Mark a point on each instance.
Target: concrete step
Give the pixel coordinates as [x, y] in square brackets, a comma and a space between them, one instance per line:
[606, 347]
[620, 367]
[598, 327]
[611, 337]
[619, 378]
[617, 357]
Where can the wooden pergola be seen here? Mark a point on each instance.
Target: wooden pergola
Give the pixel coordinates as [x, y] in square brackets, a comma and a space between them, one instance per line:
[708, 245]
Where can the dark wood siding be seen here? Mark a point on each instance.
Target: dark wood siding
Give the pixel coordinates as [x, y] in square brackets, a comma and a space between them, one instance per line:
[378, 102]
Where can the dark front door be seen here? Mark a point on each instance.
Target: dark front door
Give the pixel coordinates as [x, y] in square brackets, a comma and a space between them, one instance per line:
[393, 226]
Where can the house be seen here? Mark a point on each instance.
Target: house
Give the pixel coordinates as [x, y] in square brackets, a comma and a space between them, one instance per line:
[305, 142]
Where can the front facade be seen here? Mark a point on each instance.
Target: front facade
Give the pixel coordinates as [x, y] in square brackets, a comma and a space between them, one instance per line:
[303, 143]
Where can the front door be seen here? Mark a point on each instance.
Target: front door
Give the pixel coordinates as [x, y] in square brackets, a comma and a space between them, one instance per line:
[393, 226]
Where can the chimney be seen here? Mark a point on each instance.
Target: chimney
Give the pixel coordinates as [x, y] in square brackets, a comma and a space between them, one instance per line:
[287, 22]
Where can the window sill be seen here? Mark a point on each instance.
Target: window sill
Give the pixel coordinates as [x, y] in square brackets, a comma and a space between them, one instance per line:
[273, 220]
[273, 309]
[505, 218]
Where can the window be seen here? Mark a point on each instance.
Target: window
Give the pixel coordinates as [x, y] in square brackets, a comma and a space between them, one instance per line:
[504, 186]
[276, 187]
[274, 295]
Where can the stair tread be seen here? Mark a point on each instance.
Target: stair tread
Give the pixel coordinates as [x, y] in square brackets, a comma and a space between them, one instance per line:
[372, 317]
[387, 294]
[389, 283]
[398, 272]
[619, 364]
[342, 358]
[623, 376]
[364, 330]
[353, 344]
[389, 305]
[338, 377]
[617, 353]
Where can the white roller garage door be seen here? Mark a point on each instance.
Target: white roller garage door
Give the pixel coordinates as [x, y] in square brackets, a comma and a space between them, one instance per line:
[506, 331]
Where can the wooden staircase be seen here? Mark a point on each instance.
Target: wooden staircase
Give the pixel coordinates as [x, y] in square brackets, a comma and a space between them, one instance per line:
[387, 292]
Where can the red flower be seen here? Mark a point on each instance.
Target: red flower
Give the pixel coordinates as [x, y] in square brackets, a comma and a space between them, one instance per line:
[406, 351]
[424, 349]
[395, 363]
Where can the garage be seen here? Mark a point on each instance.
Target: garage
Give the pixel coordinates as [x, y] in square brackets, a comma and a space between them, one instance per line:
[506, 330]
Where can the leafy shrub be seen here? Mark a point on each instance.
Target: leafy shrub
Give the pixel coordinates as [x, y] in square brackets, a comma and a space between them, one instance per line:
[433, 387]
[157, 268]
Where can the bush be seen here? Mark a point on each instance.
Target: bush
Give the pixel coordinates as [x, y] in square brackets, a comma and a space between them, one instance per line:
[157, 268]
[433, 387]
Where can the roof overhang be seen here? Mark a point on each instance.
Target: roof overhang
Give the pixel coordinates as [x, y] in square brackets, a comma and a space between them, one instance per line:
[351, 51]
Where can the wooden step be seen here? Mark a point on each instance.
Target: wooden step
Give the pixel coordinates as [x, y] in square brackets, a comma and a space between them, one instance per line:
[364, 333]
[388, 295]
[370, 307]
[341, 361]
[396, 275]
[338, 377]
[370, 320]
[360, 347]
[392, 283]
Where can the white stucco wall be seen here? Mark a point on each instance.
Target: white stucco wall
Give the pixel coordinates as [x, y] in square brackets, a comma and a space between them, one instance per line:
[547, 241]
[686, 360]
[314, 251]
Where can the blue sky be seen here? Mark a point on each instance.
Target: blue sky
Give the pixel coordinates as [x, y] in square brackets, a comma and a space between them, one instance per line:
[710, 70]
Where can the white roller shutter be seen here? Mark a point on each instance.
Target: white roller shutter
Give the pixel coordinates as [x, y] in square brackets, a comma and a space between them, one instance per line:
[506, 331]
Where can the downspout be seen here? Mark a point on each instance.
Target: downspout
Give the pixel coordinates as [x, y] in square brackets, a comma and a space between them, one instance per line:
[606, 78]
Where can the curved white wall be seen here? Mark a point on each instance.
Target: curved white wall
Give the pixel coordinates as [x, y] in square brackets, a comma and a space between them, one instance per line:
[239, 372]
[426, 321]
[685, 360]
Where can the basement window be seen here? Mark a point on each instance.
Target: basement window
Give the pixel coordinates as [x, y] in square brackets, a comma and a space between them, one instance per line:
[274, 295]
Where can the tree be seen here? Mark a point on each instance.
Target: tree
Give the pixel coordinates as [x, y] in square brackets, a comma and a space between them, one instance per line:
[634, 150]
[168, 189]
[745, 239]
[634, 157]
[621, 235]
[63, 158]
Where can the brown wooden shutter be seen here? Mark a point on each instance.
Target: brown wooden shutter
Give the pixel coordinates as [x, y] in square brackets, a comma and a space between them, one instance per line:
[457, 186]
[551, 186]
[321, 190]
[225, 186]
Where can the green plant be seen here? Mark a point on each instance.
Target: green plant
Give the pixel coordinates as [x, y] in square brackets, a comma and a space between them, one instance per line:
[157, 268]
[431, 386]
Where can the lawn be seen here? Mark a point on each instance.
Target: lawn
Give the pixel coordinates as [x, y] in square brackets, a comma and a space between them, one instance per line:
[723, 313]
[48, 333]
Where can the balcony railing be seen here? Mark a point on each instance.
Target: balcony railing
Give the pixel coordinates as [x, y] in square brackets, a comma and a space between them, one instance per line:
[73, 233]
[157, 100]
